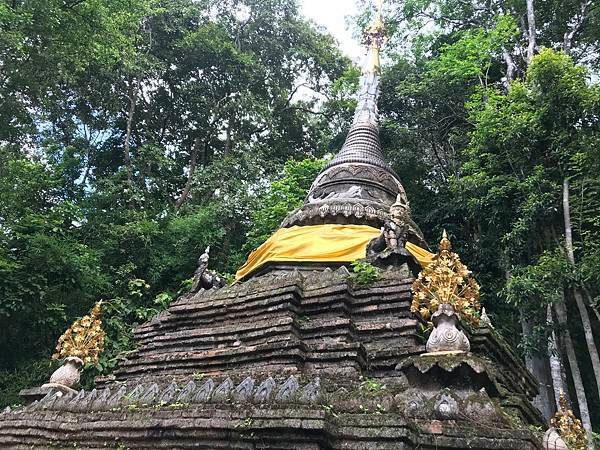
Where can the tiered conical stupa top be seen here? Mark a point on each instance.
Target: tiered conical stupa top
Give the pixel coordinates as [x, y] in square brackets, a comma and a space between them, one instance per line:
[350, 200]
[357, 186]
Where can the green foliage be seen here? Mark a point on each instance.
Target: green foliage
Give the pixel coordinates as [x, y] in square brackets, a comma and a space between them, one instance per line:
[474, 54]
[28, 374]
[522, 148]
[524, 145]
[47, 275]
[371, 386]
[283, 196]
[531, 288]
[542, 281]
[596, 440]
[484, 155]
[364, 272]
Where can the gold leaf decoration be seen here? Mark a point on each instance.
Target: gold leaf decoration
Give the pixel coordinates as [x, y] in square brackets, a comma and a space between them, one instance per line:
[84, 339]
[569, 427]
[446, 280]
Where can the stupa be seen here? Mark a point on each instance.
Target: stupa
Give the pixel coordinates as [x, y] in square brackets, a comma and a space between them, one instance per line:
[300, 354]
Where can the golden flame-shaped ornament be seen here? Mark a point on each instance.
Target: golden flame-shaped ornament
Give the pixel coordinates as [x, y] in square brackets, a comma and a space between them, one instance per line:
[569, 427]
[84, 339]
[445, 244]
[446, 280]
[374, 37]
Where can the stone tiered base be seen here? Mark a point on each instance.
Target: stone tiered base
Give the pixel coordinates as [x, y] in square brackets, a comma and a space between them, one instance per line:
[318, 324]
[296, 362]
[232, 428]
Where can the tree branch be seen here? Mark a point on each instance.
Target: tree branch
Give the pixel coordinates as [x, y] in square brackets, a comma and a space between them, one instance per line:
[132, 96]
[188, 184]
[531, 31]
[511, 67]
[577, 23]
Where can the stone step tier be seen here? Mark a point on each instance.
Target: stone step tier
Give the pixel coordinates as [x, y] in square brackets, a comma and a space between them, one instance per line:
[317, 324]
[292, 324]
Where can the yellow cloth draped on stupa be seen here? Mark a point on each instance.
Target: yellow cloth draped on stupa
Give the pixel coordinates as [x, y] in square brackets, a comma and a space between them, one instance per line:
[319, 243]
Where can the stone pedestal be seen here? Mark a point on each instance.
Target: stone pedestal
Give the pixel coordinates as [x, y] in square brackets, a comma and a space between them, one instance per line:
[68, 374]
[446, 336]
[63, 382]
[552, 441]
[458, 386]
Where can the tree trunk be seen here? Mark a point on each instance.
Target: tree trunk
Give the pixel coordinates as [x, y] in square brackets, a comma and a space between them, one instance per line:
[88, 166]
[559, 382]
[583, 312]
[190, 178]
[590, 301]
[561, 314]
[531, 31]
[227, 148]
[538, 366]
[132, 95]
[511, 68]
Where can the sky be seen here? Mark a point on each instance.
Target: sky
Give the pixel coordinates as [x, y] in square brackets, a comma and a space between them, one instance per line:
[333, 15]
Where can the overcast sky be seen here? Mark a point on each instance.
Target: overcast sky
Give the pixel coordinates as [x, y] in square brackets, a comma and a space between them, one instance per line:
[333, 14]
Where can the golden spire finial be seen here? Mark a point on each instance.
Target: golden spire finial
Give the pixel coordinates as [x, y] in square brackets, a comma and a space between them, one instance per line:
[380, 7]
[374, 37]
[445, 244]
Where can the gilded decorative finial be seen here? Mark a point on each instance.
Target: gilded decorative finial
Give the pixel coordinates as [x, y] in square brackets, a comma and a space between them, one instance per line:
[445, 244]
[446, 280]
[374, 38]
[569, 427]
[84, 339]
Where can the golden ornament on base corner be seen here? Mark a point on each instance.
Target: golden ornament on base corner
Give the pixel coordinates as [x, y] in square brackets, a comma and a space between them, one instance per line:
[445, 292]
[446, 280]
[566, 432]
[81, 344]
